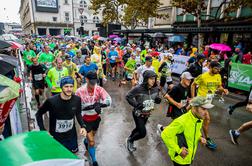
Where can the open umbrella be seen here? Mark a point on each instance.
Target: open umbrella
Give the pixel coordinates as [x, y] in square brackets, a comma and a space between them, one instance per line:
[4, 44]
[102, 38]
[117, 39]
[159, 34]
[7, 63]
[220, 47]
[176, 38]
[113, 36]
[15, 45]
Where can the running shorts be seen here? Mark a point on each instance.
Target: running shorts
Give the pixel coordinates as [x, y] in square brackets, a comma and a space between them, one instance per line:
[93, 125]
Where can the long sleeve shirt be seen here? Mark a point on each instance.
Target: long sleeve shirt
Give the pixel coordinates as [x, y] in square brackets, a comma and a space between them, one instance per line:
[62, 115]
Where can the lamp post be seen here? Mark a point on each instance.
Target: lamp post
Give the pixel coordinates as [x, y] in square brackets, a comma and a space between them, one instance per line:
[81, 9]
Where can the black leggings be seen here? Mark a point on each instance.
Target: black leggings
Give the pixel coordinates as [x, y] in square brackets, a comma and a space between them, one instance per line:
[140, 131]
[240, 104]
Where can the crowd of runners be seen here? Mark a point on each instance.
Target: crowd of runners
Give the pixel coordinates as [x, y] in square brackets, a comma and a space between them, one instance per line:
[75, 71]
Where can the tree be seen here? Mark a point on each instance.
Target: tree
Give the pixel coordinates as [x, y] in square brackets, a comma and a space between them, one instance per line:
[197, 7]
[134, 12]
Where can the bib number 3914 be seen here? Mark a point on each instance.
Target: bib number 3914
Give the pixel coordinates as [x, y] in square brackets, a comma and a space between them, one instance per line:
[63, 125]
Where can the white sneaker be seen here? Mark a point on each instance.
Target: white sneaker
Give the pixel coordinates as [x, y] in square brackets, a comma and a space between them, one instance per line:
[159, 129]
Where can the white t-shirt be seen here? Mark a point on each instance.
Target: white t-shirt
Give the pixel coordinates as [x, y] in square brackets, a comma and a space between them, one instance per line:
[140, 72]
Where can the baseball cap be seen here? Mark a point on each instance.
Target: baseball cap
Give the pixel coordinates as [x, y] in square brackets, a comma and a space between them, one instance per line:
[186, 75]
[138, 49]
[215, 64]
[67, 57]
[148, 58]
[92, 77]
[201, 101]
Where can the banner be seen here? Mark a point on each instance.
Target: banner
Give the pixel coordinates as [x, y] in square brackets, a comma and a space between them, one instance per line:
[240, 76]
[5, 109]
[36, 148]
[179, 64]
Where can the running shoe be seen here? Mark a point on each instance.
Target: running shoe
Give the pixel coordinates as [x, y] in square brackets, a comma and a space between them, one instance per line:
[234, 137]
[230, 110]
[160, 128]
[211, 144]
[95, 163]
[130, 145]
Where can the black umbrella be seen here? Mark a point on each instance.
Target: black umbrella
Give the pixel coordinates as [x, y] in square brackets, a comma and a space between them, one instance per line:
[4, 44]
[7, 63]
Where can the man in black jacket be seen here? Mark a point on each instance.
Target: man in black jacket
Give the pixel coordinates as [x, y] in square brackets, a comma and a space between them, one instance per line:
[142, 98]
[63, 108]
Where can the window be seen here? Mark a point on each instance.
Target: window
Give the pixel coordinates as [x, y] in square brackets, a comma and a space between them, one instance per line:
[67, 18]
[83, 19]
[66, 2]
[54, 19]
[96, 19]
[83, 3]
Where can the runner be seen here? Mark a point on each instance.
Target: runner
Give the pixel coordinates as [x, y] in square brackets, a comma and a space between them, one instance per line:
[72, 70]
[182, 136]
[234, 134]
[54, 76]
[37, 76]
[46, 58]
[208, 83]
[28, 54]
[165, 70]
[129, 67]
[112, 55]
[93, 98]
[178, 99]
[88, 66]
[139, 59]
[140, 70]
[63, 109]
[142, 98]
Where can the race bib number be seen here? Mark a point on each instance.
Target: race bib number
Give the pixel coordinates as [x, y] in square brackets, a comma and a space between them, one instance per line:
[210, 97]
[58, 83]
[48, 65]
[38, 77]
[130, 76]
[113, 58]
[148, 105]
[64, 125]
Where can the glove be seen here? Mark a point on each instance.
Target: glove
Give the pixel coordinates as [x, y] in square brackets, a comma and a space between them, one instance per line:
[139, 106]
[157, 100]
[97, 108]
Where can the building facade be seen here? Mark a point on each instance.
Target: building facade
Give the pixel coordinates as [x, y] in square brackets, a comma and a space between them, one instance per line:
[55, 17]
[165, 8]
[82, 13]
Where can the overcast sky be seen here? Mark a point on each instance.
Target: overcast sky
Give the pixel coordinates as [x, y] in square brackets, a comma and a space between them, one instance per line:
[9, 11]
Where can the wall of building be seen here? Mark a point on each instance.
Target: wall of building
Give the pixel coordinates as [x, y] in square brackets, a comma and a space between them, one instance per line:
[89, 22]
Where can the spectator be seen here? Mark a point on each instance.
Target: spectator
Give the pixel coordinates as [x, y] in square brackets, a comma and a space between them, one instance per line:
[247, 58]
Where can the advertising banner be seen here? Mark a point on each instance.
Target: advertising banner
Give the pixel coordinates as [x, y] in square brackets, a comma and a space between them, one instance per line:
[240, 76]
[179, 64]
[47, 6]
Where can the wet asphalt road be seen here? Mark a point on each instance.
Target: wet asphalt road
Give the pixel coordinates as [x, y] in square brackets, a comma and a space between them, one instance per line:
[117, 123]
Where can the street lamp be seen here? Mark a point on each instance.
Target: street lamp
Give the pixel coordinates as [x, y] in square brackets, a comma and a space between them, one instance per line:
[81, 10]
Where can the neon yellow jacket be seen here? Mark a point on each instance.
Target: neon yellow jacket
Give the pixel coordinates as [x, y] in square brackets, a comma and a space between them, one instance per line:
[191, 126]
